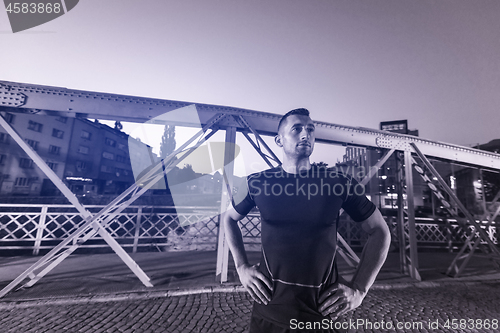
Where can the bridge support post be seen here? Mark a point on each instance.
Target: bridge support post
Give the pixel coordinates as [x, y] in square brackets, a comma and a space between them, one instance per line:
[413, 264]
[408, 257]
[227, 187]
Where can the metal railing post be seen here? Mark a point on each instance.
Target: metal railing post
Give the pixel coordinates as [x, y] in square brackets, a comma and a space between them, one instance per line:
[138, 224]
[40, 229]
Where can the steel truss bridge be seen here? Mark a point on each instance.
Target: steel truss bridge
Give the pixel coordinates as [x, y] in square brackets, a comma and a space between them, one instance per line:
[412, 155]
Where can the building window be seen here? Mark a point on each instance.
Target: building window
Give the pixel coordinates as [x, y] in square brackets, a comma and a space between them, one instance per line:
[62, 119]
[57, 133]
[55, 150]
[3, 158]
[108, 156]
[121, 172]
[107, 169]
[4, 138]
[22, 182]
[32, 143]
[121, 159]
[110, 142]
[9, 117]
[52, 165]
[121, 146]
[34, 126]
[26, 163]
[81, 165]
[83, 150]
[86, 135]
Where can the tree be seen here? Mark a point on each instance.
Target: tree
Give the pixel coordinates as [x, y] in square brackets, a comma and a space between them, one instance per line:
[167, 141]
[321, 164]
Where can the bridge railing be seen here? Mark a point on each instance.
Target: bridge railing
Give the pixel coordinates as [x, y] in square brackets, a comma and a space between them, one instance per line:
[431, 233]
[35, 227]
[40, 227]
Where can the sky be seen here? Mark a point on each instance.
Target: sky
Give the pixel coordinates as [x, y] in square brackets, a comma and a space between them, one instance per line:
[435, 63]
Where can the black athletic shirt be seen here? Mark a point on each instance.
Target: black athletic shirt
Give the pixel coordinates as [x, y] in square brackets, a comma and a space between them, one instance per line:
[299, 235]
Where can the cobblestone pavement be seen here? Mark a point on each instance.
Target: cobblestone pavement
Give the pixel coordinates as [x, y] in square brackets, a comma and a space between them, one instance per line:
[414, 307]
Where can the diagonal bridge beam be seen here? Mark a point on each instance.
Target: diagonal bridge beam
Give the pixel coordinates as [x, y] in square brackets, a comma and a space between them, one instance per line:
[97, 223]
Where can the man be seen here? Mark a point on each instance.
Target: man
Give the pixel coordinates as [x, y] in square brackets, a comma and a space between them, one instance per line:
[296, 286]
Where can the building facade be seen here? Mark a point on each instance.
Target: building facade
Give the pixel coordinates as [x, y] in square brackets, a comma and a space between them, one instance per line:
[90, 157]
[98, 160]
[49, 137]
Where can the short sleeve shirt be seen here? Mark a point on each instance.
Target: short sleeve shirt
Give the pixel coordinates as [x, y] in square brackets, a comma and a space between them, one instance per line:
[299, 234]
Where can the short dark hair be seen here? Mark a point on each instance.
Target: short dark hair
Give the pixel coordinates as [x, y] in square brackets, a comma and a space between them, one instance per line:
[300, 112]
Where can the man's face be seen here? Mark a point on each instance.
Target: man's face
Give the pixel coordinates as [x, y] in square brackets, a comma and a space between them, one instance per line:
[297, 136]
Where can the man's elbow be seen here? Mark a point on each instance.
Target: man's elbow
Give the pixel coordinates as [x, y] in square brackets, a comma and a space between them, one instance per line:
[379, 230]
[226, 219]
[382, 236]
[386, 235]
[231, 217]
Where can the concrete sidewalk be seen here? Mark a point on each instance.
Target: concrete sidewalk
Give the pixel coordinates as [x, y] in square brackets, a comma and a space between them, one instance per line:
[99, 294]
[88, 276]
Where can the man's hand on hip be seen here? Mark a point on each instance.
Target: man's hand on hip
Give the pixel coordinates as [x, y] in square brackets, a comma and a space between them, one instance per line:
[339, 299]
[255, 283]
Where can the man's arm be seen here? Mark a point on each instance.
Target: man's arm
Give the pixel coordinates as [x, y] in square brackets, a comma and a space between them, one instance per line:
[346, 296]
[254, 281]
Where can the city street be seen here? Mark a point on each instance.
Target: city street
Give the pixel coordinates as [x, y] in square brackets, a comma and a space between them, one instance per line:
[416, 309]
[98, 293]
